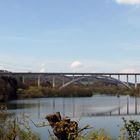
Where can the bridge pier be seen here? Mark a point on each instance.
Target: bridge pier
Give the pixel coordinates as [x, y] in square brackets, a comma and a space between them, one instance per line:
[38, 80]
[135, 81]
[53, 82]
[127, 79]
[23, 79]
[118, 77]
[73, 77]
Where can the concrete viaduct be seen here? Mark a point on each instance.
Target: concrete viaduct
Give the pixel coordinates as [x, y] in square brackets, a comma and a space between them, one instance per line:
[74, 76]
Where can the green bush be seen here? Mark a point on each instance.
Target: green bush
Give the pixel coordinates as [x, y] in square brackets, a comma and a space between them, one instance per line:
[31, 92]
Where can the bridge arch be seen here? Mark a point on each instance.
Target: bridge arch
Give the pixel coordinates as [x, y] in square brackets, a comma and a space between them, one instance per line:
[102, 76]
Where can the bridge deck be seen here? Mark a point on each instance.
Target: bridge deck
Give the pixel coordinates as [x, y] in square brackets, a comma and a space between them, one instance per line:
[65, 73]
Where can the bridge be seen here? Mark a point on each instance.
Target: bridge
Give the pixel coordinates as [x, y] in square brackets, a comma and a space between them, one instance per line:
[74, 77]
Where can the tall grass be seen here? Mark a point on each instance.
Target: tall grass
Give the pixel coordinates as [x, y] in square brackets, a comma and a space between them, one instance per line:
[12, 129]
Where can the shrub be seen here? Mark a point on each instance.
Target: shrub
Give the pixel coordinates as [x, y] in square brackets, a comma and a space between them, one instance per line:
[132, 127]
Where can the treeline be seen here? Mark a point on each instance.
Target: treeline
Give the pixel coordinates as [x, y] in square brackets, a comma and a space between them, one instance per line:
[36, 92]
[74, 91]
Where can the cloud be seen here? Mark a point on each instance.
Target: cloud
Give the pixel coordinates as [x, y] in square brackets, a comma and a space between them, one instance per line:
[2, 68]
[42, 70]
[132, 2]
[76, 64]
[42, 67]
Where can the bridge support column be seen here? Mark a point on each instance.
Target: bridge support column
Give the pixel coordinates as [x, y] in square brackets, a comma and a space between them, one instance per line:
[38, 80]
[119, 77]
[73, 77]
[23, 79]
[127, 79]
[135, 81]
[53, 82]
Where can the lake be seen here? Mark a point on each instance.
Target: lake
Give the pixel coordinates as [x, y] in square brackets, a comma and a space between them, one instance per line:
[99, 111]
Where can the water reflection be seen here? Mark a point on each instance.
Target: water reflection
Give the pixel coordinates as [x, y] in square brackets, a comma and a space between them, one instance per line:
[77, 107]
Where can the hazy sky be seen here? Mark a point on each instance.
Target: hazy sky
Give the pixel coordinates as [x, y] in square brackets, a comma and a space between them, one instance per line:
[70, 35]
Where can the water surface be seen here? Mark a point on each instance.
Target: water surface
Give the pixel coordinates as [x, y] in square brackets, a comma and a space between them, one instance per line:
[97, 111]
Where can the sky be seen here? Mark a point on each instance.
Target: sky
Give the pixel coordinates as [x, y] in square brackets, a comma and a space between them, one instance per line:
[70, 35]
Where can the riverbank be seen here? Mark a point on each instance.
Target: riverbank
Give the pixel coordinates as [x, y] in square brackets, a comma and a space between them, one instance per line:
[73, 91]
